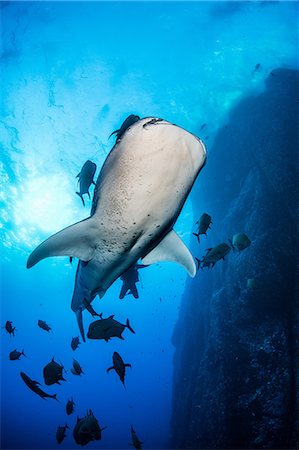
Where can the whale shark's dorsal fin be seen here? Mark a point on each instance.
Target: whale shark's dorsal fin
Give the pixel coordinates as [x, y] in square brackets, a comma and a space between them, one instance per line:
[172, 248]
[76, 240]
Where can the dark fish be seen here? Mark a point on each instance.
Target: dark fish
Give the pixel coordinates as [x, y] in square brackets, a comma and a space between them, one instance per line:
[70, 407]
[86, 179]
[152, 122]
[203, 224]
[213, 255]
[16, 355]
[203, 126]
[76, 369]
[33, 385]
[130, 120]
[256, 68]
[119, 366]
[252, 283]
[240, 241]
[135, 440]
[87, 429]
[60, 433]
[42, 324]
[9, 328]
[107, 328]
[75, 343]
[53, 373]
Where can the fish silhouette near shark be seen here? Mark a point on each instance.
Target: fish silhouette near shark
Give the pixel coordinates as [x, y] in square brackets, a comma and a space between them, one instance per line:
[139, 193]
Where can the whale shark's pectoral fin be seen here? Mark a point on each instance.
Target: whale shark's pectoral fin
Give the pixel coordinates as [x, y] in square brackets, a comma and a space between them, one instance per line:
[172, 248]
[77, 240]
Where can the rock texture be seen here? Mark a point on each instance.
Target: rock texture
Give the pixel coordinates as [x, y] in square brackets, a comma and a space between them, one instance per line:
[236, 360]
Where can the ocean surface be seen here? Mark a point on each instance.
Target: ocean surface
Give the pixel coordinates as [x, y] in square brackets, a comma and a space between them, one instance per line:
[71, 72]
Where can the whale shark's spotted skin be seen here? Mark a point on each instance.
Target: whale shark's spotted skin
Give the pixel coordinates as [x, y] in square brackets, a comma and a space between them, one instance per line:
[139, 194]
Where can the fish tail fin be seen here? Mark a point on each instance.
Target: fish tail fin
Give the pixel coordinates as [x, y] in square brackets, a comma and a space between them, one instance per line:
[198, 263]
[55, 397]
[80, 323]
[231, 244]
[114, 132]
[22, 352]
[90, 308]
[197, 235]
[81, 196]
[129, 326]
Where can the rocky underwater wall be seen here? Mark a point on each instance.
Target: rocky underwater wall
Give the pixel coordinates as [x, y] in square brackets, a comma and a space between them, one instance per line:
[236, 358]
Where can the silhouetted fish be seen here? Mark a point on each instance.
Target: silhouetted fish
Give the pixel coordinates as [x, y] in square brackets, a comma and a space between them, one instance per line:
[107, 328]
[86, 179]
[87, 429]
[119, 366]
[42, 324]
[16, 355]
[33, 385]
[60, 433]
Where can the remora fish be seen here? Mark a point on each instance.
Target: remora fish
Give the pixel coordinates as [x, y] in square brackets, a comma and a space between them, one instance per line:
[33, 385]
[139, 194]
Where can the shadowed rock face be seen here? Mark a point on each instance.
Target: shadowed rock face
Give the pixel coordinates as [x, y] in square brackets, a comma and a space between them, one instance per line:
[235, 367]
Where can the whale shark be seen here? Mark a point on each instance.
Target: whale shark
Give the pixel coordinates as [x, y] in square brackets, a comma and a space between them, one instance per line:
[140, 191]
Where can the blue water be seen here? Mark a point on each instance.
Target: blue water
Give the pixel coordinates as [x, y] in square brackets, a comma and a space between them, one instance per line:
[71, 73]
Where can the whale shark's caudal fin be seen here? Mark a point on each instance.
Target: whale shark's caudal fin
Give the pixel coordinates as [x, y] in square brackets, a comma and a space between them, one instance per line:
[76, 240]
[172, 248]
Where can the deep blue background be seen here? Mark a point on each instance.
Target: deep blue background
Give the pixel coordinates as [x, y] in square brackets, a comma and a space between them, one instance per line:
[71, 72]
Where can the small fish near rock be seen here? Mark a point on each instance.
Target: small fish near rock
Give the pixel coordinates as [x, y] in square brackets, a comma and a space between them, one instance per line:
[53, 373]
[136, 442]
[75, 343]
[69, 407]
[85, 177]
[15, 355]
[240, 241]
[119, 366]
[76, 369]
[213, 255]
[9, 328]
[43, 325]
[107, 329]
[203, 224]
[87, 429]
[60, 433]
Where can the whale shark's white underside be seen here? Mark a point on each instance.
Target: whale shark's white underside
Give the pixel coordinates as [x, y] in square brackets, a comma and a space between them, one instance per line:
[139, 194]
